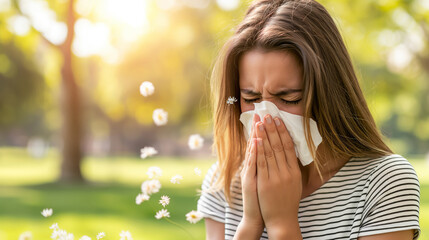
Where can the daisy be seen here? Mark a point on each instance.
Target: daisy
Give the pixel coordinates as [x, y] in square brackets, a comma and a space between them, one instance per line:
[197, 171]
[160, 117]
[59, 233]
[195, 142]
[231, 100]
[164, 201]
[194, 216]
[54, 226]
[101, 235]
[85, 238]
[47, 212]
[125, 235]
[147, 152]
[154, 172]
[150, 186]
[25, 236]
[146, 88]
[176, 179]
[141, 198]
[162, 213]
[62, 235]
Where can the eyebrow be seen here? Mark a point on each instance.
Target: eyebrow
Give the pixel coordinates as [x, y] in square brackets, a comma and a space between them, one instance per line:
[280, 93]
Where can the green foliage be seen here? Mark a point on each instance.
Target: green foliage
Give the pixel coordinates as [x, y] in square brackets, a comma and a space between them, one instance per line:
[177, 53]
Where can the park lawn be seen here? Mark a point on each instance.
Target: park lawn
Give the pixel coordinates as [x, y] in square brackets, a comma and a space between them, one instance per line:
[107, 202]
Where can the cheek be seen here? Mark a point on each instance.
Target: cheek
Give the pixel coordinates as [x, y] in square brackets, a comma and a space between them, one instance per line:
[297, 109]
[246, 106]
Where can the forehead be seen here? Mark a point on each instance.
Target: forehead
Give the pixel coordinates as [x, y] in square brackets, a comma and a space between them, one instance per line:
[270, 70]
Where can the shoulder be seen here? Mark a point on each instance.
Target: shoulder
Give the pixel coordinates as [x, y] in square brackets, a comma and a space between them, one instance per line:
[392, 196]
[383, 167]
[393, 168]
[211, 176]
[212, 201]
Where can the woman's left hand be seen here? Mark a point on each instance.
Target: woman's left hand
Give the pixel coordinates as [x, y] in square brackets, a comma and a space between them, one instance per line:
[279, 180]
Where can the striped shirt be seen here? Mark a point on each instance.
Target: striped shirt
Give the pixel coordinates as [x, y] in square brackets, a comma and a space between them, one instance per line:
[366, 196]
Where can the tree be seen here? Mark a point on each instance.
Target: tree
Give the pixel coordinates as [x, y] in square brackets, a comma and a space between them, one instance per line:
[70, 101]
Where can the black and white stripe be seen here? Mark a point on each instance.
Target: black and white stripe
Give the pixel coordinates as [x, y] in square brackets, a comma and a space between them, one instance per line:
[366, 197]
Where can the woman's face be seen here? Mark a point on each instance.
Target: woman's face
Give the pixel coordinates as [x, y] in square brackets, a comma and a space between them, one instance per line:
[274, 76]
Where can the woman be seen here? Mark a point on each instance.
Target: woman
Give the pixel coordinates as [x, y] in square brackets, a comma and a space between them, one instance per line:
[291, 54]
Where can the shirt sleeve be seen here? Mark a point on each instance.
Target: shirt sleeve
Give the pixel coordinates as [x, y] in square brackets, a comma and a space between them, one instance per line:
[212, 203]
[393, 199]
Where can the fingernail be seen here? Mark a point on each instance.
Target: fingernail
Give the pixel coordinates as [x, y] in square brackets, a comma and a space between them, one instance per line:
[277, 121]
[268, 119]
[261, 127]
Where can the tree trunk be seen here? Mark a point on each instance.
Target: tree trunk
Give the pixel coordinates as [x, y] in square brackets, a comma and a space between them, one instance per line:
[71, 109]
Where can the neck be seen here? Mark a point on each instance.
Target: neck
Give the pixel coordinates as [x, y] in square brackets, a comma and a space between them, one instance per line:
[329, 166]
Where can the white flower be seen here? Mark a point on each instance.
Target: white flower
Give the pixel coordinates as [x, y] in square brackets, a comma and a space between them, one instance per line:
[85, 238]
[160, 117]
[231, 100]
[101, 235]
[194, 216]
[68, 237]
[150, 186]
[125, 235]
[162, 213]
[141, 198]
[47, 212]
[164, 201]
[195, 142]
[54, 226]
[147, 152]
[176, 179]
[25, 236]
[146, 88]
[59, 234]
[197, 171]
[154, 172]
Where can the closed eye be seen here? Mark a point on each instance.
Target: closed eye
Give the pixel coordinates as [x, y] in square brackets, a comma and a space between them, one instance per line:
[284, 101]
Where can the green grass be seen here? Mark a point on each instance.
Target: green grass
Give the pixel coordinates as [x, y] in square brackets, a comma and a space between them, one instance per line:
[107, 202]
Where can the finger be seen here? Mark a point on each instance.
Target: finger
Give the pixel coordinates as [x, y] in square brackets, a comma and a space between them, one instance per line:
[268, 152]
[275, 142]
[288, 146]
[251, 166]
[261, 164]
[256, 119]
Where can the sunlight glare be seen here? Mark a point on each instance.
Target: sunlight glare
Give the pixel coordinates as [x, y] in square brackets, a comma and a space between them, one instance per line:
[84, 7]
[44, 20]
[228, 5]
[91, 38]
[127, 12]
[4, 5]
[199, 4]
[399, 58]
[127, 19]
[167, 4]
[19, 25]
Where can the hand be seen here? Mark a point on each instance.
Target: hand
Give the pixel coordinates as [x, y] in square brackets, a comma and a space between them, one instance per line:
[278, 178]
[252, 217]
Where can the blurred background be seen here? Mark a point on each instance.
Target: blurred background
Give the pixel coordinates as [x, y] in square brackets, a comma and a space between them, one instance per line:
[72, 119]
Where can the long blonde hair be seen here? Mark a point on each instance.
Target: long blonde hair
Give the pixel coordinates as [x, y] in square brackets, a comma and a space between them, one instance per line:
[331, 96]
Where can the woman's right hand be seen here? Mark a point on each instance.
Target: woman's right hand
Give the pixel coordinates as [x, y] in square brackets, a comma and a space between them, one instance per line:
[252, 217]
